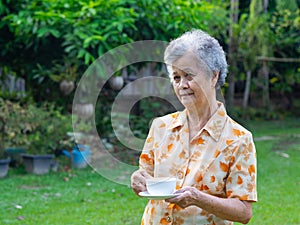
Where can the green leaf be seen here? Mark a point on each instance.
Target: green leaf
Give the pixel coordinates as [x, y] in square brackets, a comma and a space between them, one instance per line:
[55, 78]
[81, 53]
[55, 33]
[70, 48]
[42, 32]
[88, 58]
[87, 42]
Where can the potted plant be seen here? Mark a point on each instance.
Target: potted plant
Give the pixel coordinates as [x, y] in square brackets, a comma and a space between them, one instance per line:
[47, 137]
[13, 130]
[65, 74]
[4, 162]
[39, 157]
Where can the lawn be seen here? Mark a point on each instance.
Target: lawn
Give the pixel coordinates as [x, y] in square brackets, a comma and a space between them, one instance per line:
[74, 197]
[85, 197]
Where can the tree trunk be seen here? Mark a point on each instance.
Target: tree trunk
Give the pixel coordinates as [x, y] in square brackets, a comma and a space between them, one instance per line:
[247, 89]
[266, 4]
[234, 8]
[266, 96]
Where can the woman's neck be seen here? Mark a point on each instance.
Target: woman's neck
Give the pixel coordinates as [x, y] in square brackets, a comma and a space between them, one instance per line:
[199, 116]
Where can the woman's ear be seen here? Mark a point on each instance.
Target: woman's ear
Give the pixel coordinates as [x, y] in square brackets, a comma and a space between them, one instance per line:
[215, 78]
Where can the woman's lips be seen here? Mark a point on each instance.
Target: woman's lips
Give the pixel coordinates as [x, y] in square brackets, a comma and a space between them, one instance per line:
[186, 94]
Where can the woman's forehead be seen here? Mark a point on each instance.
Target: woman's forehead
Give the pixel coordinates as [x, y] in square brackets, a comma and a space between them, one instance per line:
[189, 62]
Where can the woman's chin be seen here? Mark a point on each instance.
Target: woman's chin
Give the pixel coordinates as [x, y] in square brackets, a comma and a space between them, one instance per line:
[188, 101]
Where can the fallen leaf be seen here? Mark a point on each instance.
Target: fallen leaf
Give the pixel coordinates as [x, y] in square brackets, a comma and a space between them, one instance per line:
[284, 155]
[21, 218]
[18, 206]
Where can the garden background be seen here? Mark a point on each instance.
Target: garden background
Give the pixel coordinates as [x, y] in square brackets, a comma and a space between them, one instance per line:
[46, 47]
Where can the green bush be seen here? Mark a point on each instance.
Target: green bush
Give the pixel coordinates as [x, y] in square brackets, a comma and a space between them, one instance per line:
[51, 131]
[40, 130]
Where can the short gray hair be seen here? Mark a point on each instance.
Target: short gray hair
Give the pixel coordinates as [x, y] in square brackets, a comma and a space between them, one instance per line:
[206, 48]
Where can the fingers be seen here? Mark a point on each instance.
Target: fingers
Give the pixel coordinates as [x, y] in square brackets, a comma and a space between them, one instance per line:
[138, 187]
[184, 197]
[138, 181]
[146, 175]
[182, 190]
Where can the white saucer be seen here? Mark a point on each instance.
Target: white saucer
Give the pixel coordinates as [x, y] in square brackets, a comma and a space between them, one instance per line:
[146, 194]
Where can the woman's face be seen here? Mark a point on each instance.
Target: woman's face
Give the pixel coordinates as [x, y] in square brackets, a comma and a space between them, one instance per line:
[191, 81]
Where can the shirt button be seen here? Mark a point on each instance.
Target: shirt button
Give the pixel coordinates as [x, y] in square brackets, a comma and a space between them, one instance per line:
[169, 219]
[180, 175]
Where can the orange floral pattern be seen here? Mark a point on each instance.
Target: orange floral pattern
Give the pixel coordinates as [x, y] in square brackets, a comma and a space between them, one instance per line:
[220, 160]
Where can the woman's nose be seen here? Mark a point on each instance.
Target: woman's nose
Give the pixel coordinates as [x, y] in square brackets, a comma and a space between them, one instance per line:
[183, 83]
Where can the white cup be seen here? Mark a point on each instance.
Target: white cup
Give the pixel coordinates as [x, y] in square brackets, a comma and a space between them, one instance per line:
[161, 185]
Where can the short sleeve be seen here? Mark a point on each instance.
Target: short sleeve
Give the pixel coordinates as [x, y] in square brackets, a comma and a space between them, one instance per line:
[241, 181]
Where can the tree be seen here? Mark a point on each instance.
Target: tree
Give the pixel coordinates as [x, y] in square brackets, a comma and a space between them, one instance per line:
[232, 50]
[256, 40]
[285, 24]
[46, 32]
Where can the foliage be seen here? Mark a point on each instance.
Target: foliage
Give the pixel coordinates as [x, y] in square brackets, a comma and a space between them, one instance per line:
[176, 17]
[255, 114]
[14, 125]
[47, 41]
[103, 112]
[67, 70]
[272, 33]
[85, 30]
[39, 129]
[285, 24]
[51, 132]
[255, 35]
[88, 29]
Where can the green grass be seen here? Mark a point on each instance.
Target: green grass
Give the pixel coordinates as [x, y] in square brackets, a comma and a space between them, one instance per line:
[88, 198]
[278, 176]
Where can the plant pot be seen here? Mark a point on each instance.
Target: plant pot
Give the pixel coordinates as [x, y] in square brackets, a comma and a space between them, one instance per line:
[66, 87]
[15, 154]
[84, 110]
[37, 164]
[116, 83]
[4, 165]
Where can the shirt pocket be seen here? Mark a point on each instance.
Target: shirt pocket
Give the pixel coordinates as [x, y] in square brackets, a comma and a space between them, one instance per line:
[215, 178]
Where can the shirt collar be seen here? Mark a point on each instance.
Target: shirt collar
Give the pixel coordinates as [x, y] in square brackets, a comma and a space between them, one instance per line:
[179, 119]
[216, 123]
[214, 126]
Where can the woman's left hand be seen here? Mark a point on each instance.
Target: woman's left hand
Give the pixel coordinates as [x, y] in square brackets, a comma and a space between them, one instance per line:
[187, 196]
[232, 209]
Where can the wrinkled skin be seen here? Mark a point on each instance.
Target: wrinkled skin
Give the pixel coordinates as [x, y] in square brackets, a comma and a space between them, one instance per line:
[138, 181]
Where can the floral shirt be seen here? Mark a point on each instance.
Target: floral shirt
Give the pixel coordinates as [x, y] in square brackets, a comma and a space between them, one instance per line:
[220, 160]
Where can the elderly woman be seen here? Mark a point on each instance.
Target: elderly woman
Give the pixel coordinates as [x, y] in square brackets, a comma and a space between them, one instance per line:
[212, 157]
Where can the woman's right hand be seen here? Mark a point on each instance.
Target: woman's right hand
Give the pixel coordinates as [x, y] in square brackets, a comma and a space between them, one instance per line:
[138, 181]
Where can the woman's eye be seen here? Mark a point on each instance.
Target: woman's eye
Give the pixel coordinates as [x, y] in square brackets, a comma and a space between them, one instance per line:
[176, 78]
[189, 76]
